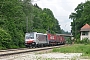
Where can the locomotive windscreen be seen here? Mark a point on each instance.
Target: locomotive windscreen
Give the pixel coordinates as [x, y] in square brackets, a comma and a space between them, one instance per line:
[30, 36]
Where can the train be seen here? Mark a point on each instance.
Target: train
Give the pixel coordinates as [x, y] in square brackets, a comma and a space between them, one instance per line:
[35, 39]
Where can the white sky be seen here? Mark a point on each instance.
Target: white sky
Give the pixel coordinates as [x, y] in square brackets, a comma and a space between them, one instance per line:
[61, 10]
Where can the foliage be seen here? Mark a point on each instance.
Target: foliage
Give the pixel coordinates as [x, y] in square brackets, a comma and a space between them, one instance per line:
[83, 41]
[5, 39]
[44, 19]
[80, 17]
[68, 40]
[19, 16]
[78, 48]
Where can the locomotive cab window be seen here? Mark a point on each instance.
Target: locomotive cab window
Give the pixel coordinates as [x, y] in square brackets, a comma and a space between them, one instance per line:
[27, 37]
[31, 35]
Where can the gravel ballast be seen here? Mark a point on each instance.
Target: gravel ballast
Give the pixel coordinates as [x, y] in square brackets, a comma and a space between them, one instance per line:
[48, 56]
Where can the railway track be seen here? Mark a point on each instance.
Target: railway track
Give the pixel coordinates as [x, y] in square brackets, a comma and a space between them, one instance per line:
[24, 50]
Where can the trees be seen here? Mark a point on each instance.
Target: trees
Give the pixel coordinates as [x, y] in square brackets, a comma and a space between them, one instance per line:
[44, 20]
[5, 39]
[80, 17]
[12, 20]
[15, 15]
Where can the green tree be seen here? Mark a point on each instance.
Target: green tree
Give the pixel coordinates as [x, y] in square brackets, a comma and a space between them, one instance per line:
[12, 19]
[17, 15]
[5, 39]
[80, 17]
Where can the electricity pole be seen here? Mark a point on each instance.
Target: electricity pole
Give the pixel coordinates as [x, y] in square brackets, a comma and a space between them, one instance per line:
[27, 24]
[31, 18]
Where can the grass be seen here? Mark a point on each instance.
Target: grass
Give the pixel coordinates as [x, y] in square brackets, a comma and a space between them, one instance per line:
[77, 48]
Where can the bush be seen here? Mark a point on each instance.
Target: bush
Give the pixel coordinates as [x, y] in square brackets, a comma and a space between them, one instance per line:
[84, 41]
[5, 39]
[68, 40]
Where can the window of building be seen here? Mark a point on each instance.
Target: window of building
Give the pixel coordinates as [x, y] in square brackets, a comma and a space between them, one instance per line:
[85, 33]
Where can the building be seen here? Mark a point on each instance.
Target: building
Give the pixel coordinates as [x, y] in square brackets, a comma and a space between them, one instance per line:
[85, 32]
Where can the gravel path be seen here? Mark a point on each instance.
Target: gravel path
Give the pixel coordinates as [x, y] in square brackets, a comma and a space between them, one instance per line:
[45, 56]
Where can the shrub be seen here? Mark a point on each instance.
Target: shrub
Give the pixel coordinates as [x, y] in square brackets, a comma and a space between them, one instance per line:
[5, 39]
[83, 41]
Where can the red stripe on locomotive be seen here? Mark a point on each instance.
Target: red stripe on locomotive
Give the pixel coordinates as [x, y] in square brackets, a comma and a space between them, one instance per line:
[30, 41]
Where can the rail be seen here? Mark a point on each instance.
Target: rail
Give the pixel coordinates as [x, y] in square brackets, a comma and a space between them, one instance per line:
[24, 50]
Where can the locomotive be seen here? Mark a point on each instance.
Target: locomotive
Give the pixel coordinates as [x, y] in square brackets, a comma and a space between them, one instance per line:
[35, 39]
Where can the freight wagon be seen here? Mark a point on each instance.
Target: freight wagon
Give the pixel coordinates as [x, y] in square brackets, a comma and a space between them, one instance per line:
[55, 39]
[35, 39]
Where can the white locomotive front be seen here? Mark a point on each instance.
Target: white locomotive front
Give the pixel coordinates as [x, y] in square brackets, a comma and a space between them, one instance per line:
[35, 39]
[29, 39]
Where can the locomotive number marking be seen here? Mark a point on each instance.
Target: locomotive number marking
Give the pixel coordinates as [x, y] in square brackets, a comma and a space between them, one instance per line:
[52, 37]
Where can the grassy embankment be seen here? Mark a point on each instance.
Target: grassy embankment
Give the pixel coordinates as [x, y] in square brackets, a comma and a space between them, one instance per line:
[77, 48]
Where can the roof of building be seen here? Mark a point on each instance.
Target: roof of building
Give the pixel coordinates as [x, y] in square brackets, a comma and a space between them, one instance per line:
[86, 27]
